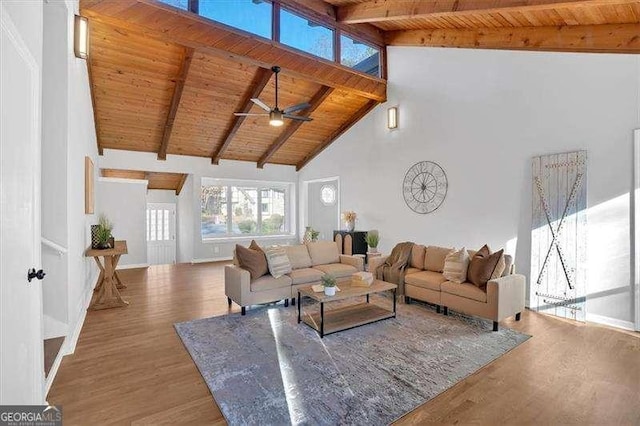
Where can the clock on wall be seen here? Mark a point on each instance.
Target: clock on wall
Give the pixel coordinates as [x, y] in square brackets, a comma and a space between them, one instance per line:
[424, 187]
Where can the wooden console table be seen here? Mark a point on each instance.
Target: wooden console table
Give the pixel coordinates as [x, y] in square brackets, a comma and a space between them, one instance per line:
[107, 294]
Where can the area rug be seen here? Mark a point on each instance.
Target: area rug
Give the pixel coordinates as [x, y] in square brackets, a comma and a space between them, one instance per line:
[265, 368]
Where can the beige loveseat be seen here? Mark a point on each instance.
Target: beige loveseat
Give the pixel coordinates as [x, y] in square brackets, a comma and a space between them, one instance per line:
[423, 280]
[309, 262]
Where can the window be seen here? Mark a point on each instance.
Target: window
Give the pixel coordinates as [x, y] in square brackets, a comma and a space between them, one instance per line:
[253, 16]
[328, 195]
[231, 210]
[180, 4]
[306, 35]
[359, 56]
[158, 225]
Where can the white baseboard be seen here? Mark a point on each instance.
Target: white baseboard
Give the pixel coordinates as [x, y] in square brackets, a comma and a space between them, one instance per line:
[133, 266]
[611, 322]
[212, 259]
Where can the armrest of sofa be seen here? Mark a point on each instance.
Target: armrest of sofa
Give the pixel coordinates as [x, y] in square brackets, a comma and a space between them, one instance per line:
[356, 262]
[374, 262]
[236, 283]
[507, 294]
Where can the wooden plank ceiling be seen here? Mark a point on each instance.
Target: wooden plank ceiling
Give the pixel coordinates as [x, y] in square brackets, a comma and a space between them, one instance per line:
[168, 81]
[553, 25]
[157, 180]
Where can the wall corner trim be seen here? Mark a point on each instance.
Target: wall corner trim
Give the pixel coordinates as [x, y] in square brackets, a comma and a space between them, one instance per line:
[611, 322]
[132, 266]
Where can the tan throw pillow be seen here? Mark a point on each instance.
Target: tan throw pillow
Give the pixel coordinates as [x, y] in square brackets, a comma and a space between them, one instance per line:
[253, 261]
[482, 266]
[502, 263]
[455, 266]
[278, 261]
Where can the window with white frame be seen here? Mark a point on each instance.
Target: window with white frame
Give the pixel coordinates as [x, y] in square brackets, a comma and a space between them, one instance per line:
[235, 209]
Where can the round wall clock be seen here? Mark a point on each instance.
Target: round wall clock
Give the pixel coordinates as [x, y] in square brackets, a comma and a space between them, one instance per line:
[424, 187]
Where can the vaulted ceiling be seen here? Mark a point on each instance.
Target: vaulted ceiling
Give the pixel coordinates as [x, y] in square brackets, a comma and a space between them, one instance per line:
[168, 81]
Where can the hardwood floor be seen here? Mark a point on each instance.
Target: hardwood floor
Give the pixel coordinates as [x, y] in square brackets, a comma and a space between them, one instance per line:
[51, 349]
[130, 367]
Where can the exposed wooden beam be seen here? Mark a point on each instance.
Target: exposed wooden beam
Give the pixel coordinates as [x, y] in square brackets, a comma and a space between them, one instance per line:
[394, 10]
[183, 179]
[337, 133]
[613, 38]
[314, 103]
[163, 22]
[260, 79]
[181, 78]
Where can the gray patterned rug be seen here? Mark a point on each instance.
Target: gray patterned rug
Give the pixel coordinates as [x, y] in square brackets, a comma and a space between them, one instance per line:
[265, 368]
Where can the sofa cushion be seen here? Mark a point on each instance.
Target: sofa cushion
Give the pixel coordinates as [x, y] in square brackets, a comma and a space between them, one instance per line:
[305, 275]
[417, 256]
[482, 266]
[455, 266]
[425, 279]
[466, 290]
[323, 252]
[268, 282]
[411, 271]
[337, 270]
[298, 256]
[434, 258]
[252, 260]
[277, 260]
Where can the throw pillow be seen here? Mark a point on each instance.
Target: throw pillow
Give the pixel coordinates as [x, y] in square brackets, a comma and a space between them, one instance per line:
[278, 261]
[502, 263]
[252, 260]
[482, 266]
[455, 266]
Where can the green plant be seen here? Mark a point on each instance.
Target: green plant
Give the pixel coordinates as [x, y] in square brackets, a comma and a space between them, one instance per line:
[314, 235]
[328, 280]
[104, 230]
[372, 238]
[248, 226]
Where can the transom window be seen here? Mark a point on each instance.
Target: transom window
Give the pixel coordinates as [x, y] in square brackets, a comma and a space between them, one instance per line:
[229, 209]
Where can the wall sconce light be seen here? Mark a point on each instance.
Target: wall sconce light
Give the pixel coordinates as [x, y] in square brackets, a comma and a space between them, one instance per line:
[81, 37]
[392, 118]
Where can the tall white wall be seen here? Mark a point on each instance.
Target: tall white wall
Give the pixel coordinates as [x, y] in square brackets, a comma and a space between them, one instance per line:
[190, 246]
[482, 115]
[124, 203]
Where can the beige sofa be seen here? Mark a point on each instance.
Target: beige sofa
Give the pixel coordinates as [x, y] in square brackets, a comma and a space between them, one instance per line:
[503, 297]
[309, 262]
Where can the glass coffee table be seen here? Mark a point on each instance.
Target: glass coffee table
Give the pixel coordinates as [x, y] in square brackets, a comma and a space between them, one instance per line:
[350, 316]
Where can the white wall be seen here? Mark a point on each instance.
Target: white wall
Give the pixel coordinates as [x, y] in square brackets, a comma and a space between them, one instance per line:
[161, 196]
[482, 115]
[81, 142]
[190, 245]
[124, 202]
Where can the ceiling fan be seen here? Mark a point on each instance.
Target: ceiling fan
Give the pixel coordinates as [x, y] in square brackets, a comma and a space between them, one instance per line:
[277, 115]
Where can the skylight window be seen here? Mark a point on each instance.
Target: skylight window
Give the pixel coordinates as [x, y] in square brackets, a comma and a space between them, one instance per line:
[253, 16]
[359, 56]
[306, 35]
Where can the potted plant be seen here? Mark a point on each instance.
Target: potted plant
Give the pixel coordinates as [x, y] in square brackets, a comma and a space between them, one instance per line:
[349, 218]
[314, 235]
[329, 283]
[372, 239]
[105, 240]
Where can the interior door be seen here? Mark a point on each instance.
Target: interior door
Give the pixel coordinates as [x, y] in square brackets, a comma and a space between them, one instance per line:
[161, 233]
[323, 207]
[21, 359]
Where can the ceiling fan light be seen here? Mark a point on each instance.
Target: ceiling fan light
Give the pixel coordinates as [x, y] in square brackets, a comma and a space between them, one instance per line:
[275, 118]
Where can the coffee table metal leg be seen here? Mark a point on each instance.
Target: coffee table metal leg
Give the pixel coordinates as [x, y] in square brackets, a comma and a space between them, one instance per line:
[299, 305]
[394, 302]
[367, 298]
[321, 319]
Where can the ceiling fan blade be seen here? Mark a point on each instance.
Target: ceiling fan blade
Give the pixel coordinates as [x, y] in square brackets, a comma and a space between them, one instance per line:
[261, 104]
[248, 114]
[298, 117]
[298, 107]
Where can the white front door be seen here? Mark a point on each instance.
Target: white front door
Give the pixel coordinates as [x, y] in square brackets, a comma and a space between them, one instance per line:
[21, 351]
[161, 233]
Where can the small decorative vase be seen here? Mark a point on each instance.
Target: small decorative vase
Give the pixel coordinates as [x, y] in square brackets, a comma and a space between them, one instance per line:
[373, 249]
[330, 291]
[307, 235]
[112, 242]
[94, 236]
[350, 225]
[103, 246]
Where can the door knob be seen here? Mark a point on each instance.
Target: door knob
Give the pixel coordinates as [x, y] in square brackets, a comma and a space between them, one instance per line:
[31, 274]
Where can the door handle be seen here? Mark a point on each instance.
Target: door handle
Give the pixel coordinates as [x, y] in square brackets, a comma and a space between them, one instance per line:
[31, 274]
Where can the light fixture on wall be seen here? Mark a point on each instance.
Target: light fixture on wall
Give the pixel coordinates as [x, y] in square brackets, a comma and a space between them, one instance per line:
[392, 118]
[81, 37]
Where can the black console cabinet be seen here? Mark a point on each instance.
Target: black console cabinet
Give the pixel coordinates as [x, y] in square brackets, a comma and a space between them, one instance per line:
[358, 243]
